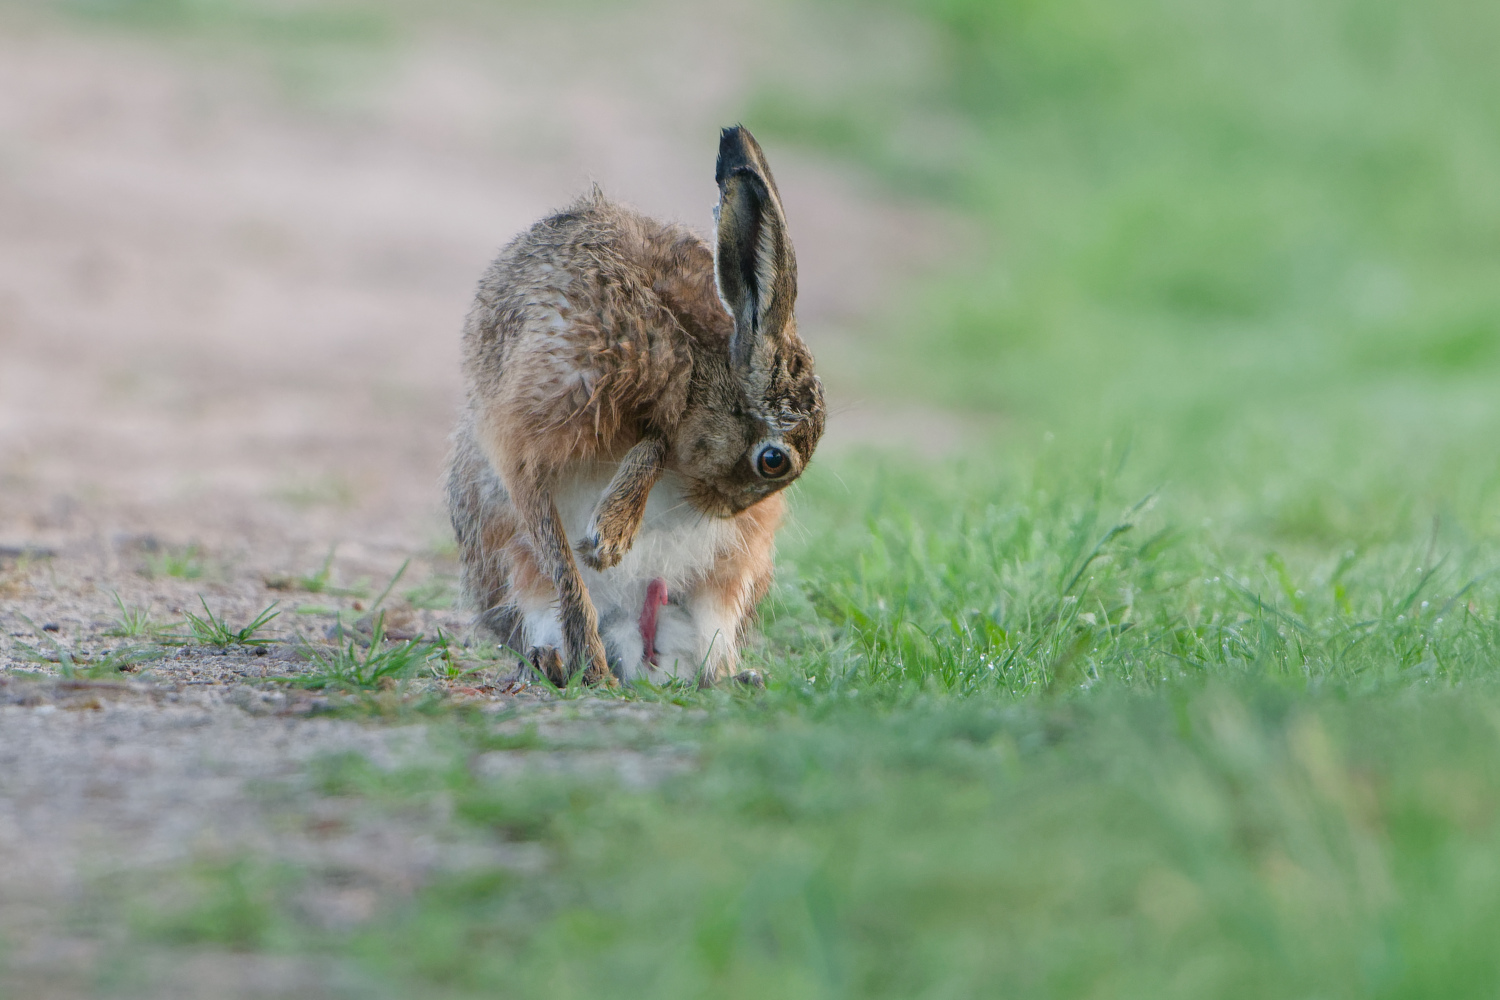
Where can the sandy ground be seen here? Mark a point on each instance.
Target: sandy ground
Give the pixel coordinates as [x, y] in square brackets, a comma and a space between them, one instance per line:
[230, 294]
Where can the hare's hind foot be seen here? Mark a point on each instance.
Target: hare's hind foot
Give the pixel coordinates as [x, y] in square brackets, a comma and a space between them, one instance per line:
[548, 663]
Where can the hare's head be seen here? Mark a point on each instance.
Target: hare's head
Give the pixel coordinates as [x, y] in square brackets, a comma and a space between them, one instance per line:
[763, 418]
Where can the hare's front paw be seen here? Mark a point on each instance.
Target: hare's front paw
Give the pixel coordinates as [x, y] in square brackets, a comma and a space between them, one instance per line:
[601, 553]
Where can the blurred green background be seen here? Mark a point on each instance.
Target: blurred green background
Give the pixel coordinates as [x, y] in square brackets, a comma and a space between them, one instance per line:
[1256, 240]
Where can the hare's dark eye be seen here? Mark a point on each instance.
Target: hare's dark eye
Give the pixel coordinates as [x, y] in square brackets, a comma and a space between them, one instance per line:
[772, 462]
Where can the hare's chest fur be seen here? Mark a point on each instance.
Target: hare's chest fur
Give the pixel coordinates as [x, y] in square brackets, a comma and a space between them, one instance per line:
[678, 544]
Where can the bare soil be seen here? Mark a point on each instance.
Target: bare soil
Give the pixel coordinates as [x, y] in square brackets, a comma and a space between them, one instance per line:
[231, 283]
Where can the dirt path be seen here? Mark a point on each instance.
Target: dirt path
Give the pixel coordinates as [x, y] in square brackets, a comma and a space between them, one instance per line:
[105, 783]
[229, 304]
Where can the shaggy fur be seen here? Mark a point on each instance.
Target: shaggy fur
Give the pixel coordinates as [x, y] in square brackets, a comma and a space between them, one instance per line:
[640, 397]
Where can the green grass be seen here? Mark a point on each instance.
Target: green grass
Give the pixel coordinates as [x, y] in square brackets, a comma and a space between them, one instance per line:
[1217, 840]
[359, 663]
[1023, 735]
[1003, 588]
[133, 622]
[74, 664]
[211, 630]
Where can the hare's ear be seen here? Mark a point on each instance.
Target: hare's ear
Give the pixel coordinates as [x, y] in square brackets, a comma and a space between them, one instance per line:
[753, 260]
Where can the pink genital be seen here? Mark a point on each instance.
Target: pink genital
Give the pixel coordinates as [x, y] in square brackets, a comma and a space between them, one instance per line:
[656, 597]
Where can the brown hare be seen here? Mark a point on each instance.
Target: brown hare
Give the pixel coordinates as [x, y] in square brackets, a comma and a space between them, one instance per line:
[641, 397]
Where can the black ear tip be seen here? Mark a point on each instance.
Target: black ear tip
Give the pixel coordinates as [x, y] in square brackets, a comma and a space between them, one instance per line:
[735, 151]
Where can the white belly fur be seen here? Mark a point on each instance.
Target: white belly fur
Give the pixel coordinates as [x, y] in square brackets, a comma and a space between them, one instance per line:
[678, 544]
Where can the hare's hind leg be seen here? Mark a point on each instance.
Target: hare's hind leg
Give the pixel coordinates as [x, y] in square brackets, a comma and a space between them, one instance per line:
[484, 522]
[617, 517]
[514, 574]
[582, 646]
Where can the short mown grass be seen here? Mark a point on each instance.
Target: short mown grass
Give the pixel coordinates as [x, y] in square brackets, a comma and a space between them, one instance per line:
[1004, 587]
[1206, 839]
[1024, 735]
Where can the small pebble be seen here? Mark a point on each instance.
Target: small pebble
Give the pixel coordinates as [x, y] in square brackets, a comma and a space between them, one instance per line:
[51, 627]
